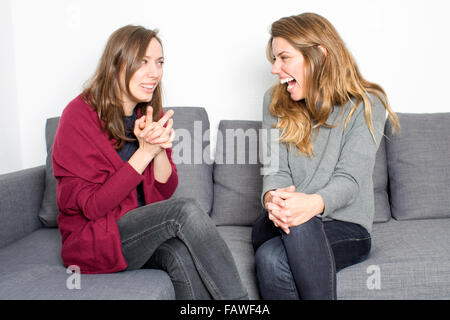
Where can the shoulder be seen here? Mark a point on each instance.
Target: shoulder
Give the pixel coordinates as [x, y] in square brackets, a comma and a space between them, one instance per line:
[78, 110]
[78, 116]
[358, 125]
[77, 107]
[377, 109]
[267, 99]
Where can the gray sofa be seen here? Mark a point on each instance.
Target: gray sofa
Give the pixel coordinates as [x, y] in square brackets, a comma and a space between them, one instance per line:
[410, 257]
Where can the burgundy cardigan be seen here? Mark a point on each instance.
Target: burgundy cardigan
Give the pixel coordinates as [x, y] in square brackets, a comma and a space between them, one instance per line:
[95, 188]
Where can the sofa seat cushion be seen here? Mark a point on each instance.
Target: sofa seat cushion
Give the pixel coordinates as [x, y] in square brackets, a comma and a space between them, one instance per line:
[412, 259]
[239, 240]
[31, 268]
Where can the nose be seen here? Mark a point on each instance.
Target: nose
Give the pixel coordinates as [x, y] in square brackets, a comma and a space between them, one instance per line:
[153, 70]
[276, 68]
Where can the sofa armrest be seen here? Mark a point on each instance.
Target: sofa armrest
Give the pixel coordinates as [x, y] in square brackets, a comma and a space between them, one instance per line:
[20, 200]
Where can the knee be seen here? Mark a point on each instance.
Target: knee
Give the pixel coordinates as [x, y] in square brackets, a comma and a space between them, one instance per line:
[270, 260]
[190, 213]
[305, 230]
[188, 204]
[188, 207]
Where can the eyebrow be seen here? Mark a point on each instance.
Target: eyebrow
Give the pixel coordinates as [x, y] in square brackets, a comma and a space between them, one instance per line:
[282, 52]
[160, 58]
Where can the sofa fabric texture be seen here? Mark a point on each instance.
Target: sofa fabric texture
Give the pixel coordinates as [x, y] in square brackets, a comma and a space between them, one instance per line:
[49, 210]
[419, 166]
[237, 174]
[410, 255]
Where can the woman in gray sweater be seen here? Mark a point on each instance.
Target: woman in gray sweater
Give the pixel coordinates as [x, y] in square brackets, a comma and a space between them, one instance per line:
[319, 201]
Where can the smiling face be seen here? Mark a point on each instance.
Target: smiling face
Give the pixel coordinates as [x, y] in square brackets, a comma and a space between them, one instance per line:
[289, 66]
[144, 81]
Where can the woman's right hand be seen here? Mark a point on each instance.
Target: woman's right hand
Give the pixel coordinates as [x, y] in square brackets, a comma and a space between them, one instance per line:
[274, 204]
[144, 126]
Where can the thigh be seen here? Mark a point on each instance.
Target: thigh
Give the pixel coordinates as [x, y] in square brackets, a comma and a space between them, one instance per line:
[144, 229]
[263, 230]
[350, 242]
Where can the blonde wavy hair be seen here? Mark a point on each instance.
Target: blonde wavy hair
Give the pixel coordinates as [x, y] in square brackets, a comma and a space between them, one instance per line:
[331, 79]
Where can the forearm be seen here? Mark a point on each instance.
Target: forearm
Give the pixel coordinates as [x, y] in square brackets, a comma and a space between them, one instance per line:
[141, 159]
[162, 168]
[96, 201]
[277, 173]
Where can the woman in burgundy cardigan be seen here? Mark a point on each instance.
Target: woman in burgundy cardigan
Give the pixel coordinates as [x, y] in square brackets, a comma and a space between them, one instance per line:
[115, 175]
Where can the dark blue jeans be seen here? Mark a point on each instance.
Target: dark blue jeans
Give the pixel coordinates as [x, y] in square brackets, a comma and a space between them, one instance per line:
[178, 237]
[303, 264]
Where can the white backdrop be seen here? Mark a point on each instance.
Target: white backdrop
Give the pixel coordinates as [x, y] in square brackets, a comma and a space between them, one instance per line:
[214, 53]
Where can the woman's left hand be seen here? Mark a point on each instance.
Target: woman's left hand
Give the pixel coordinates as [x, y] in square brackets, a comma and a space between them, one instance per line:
[297, 207]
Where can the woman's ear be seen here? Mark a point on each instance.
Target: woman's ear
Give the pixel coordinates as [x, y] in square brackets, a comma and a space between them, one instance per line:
[323, 49]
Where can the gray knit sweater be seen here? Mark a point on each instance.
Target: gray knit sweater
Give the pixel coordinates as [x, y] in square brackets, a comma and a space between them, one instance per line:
[342, 165]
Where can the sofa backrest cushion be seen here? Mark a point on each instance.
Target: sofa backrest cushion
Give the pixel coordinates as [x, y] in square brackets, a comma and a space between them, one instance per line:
[380, 185]
[237, 173]
[419, 166]
[238, 186]
[191, 154]
[191, 125]
[49, 210]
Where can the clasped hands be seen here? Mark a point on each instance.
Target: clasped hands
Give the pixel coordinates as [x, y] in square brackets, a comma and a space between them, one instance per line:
[288, 208]
[152, 135]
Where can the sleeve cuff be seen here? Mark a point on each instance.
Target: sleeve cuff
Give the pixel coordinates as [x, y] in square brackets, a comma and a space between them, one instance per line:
[337, 194]
[329, 207]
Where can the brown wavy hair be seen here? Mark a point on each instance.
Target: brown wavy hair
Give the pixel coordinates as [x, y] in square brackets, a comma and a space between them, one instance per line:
[123, 53]
[331, 79]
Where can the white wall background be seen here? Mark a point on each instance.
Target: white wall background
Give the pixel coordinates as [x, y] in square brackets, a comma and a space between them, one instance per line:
[10, 156]
[215, 55]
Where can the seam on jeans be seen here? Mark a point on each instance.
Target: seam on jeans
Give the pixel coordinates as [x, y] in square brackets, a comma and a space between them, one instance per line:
[331, 262]
[179, 261]
[140, 235]
[293, 287]
[351, 239]
[209, 284]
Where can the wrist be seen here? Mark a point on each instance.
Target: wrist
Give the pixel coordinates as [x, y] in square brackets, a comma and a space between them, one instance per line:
[159, 153]
[140, 160]
[267, 198]
[149, 152]
[319, 204]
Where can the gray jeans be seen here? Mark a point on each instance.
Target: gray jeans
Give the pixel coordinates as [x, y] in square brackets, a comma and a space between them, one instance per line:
[177, 236]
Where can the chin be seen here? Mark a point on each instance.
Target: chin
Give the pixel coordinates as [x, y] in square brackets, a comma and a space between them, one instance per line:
[297, 96]
[146, 98]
